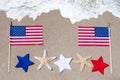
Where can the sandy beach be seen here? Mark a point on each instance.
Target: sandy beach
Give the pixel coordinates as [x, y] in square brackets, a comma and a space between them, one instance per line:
[60, 37]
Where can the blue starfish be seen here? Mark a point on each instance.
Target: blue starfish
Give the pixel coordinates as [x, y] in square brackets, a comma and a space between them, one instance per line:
[24, 62]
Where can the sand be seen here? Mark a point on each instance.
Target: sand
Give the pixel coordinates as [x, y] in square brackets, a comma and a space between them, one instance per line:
[60, 37]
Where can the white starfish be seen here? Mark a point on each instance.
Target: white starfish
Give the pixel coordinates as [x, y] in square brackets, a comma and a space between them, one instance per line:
[82, 61]
[44, 60]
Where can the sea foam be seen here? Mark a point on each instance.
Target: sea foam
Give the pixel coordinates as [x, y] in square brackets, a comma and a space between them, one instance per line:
[75, 10]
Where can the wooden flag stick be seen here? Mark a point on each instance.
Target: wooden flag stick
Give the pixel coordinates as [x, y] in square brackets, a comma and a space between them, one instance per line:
[110, 49]
[9, 54]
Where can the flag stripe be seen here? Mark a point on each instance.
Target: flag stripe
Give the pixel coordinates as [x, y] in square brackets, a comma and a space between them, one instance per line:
[34, 28]
[95, 40]
[86, 37]
[25, 44]
[86, 29]
[34, 31]
[94, 44]
[34, 36]
[86, 32]
[26, 39]
[85, 26]
[82, 29]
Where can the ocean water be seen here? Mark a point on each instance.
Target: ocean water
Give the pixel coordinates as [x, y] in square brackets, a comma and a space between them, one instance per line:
[75, 10]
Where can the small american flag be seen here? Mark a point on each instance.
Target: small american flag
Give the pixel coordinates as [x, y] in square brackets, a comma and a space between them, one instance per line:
[93, 36]
[26, 35]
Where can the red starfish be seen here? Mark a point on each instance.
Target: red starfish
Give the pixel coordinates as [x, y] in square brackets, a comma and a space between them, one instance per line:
[99, 65]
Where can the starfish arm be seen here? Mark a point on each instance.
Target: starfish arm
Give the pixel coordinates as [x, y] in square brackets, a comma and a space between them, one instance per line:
[48, 66]
[88, 57]
[52, 58]
[79, 56]
[45, 54]
[36, 57]
[74, 61]
[89, 64]
[40, 66]
[82, 67]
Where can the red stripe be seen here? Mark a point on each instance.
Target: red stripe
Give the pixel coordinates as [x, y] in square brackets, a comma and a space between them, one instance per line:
[93, 38]
[93, 45]
[26, 44]
[34, 35]
[85, 26]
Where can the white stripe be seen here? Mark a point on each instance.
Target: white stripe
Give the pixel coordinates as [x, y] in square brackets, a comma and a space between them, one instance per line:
[27, 37]
[95, 37]
[26, 43]
[34, 31]
[86, 28]
[34, 34]
[86, 34]
[85, 37]
[95, 40]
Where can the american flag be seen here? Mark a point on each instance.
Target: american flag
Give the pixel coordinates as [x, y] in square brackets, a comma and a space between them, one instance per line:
[26, 35]
[93, 36]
